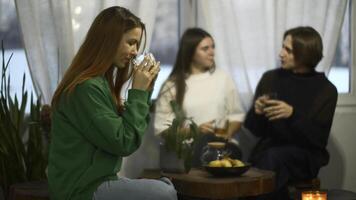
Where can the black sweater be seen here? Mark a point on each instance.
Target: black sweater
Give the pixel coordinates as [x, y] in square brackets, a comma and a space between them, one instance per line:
[313, 98]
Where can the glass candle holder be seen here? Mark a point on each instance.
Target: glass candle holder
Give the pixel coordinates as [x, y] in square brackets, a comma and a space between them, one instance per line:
[314, 195]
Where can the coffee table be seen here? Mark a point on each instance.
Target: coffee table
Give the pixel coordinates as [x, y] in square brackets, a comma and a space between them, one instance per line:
[198, 183]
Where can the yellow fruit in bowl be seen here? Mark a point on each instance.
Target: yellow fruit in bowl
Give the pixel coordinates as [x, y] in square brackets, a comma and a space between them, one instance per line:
[237, 163]
[226, 163]
[215, 163]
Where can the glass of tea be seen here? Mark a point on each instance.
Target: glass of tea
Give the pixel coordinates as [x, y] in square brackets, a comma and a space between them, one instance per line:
[221, 126]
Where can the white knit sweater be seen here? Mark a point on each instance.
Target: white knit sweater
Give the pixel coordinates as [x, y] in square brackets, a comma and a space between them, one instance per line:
[209, 96]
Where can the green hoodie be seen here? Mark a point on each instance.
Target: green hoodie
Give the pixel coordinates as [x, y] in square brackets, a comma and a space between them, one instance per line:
[89, 138]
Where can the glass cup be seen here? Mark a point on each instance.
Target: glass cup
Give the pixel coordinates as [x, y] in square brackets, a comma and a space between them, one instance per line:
[271, 95]
[139, 58]
[268, 96]
[221, 127]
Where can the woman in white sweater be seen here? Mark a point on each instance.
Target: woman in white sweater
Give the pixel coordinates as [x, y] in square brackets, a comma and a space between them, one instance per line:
[205, 93]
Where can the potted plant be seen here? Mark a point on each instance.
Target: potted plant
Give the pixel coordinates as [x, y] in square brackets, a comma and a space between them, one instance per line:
[23, 147]
[178, 142]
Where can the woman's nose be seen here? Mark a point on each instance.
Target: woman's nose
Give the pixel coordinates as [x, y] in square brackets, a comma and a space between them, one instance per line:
[134, 52]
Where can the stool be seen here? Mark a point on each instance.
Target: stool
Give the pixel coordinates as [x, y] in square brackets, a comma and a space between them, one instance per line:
[37, 190]
[296, 188]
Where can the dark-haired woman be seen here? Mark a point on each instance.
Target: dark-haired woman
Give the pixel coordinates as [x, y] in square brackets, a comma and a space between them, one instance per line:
[207, 94]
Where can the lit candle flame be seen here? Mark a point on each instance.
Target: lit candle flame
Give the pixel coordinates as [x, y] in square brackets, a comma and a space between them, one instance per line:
[314, 195]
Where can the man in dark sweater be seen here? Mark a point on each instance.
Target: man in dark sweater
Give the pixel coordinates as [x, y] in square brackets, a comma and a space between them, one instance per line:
[294, 123]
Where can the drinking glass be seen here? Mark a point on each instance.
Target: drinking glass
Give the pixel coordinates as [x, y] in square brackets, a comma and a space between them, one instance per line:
[268, 96]
[221, 126]
[271, 95]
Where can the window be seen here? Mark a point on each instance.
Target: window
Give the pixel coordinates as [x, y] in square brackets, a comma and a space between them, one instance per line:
[164, 44]
[11, 35]
[343, 71]
[341, 67]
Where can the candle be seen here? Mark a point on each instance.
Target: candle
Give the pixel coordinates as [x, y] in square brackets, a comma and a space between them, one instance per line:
[314, 195]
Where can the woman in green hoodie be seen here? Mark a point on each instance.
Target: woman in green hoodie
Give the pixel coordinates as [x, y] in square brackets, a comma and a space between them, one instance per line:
[92, 128]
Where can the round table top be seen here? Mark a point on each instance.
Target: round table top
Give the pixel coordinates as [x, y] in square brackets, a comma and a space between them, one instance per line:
[199, 183]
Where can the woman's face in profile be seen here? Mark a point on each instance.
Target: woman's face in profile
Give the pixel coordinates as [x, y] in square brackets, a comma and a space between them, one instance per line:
[128, 47]
[203, 58]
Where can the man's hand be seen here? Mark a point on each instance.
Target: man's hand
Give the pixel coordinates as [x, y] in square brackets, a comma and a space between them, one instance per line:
[276, 109]
[260, 104]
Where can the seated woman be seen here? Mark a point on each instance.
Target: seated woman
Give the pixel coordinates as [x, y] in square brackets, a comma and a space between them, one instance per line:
[205, 93]
[92, 129]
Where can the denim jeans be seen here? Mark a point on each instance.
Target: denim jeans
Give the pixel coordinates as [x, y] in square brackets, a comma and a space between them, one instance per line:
[136, 189]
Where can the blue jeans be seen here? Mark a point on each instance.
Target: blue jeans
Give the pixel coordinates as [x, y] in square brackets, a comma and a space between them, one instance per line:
[136, 189]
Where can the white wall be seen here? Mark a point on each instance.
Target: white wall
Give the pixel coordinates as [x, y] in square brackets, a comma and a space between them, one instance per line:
[340, 172]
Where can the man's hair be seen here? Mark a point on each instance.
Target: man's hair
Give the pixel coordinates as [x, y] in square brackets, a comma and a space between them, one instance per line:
[307, 46]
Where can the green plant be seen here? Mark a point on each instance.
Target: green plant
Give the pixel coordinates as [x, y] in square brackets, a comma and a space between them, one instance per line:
[21, 159]
[181, 135]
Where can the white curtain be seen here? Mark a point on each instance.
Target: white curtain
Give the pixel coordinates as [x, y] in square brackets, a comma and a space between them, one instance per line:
[248, 34]
[84, 12]
[53, 31]
[48, 40]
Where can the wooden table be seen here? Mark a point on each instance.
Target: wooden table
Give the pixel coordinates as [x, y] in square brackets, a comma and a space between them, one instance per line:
[200, 184]
[36, 190]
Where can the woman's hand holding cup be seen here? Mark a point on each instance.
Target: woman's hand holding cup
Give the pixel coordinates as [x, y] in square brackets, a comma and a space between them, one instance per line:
[145, 73]
[207, 127]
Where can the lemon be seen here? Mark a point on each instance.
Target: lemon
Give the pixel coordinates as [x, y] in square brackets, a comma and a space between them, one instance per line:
[226, 163]
[237, 163]
[215, 163]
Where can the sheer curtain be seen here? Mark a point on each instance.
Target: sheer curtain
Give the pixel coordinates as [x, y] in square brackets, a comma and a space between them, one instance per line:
[84, 12]
[48, 41]
[248, 34]
[53, 31]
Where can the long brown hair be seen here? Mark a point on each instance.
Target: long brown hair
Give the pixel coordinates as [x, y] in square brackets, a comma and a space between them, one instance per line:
[96, 54]
[182, 66]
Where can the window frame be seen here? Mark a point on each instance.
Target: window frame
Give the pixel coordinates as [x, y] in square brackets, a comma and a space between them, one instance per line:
[349, 99]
